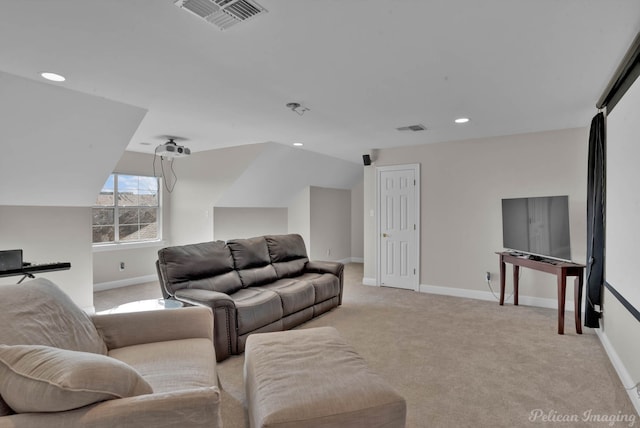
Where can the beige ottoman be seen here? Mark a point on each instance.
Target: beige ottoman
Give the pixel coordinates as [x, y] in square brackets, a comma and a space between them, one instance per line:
[313, 378]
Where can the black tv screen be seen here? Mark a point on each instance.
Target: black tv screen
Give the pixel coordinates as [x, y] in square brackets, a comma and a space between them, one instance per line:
[538, 226]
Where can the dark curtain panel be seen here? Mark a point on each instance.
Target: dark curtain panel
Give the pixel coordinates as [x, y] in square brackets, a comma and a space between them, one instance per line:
[595, 220]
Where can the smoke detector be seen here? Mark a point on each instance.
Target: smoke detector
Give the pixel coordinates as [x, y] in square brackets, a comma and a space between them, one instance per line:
[222, 13]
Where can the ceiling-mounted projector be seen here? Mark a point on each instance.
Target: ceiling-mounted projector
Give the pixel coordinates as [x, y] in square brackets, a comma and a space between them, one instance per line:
[171, 150]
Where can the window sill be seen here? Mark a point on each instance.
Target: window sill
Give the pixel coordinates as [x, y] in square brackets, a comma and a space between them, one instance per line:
[98, 248]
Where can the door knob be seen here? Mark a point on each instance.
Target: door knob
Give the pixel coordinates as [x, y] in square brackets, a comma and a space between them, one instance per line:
[384, 235]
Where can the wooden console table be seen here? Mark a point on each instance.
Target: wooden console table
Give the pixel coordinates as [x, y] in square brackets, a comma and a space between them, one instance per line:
[561, 269]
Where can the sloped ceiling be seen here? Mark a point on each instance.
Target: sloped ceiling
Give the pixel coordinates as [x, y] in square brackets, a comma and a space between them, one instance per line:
[280, 172]
[58, 145]
[363, 67]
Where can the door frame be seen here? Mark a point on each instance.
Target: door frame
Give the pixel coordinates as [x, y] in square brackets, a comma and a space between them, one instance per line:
[379, 170]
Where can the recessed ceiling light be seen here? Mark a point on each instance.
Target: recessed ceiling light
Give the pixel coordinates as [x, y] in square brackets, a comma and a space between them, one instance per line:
[298, 144]
[462, 120]
[53, 77]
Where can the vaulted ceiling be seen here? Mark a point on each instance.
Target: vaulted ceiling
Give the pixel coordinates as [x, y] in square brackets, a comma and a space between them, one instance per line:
[361, 67]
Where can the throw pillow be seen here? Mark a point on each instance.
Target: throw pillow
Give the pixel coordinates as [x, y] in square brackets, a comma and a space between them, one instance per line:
[36, 378]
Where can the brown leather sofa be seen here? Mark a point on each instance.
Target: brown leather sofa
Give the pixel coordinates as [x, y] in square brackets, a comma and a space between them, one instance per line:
[254, 285]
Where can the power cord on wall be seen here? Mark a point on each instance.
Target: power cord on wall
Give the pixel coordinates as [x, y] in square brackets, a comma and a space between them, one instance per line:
[488, 278]
[167, 186]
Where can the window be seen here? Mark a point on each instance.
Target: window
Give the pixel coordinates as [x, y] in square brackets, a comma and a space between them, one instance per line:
[127, 210]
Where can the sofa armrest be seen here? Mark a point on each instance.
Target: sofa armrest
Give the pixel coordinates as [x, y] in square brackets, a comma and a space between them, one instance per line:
[225, 334]
[162, 281]
[197, 407]
[134, 328]
[200, 297]
[335, 268]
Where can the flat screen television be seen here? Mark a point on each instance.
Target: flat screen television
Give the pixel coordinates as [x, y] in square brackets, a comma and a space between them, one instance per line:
[537, 226]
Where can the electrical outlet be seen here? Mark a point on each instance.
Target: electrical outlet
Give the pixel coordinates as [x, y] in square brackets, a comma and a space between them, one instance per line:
[488, 276]
[121, 265]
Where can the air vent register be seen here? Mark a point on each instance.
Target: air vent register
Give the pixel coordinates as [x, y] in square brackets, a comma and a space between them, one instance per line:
[222, 13]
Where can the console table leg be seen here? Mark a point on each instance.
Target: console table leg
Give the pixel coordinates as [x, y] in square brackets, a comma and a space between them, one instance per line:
[562, 288]
[516, 280]
[502, 281]
[577, 295]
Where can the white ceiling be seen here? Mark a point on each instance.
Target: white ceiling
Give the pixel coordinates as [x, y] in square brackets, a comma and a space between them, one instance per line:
[362, 67]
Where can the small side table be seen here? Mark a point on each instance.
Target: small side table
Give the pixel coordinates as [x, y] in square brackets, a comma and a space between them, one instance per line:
[144, 305]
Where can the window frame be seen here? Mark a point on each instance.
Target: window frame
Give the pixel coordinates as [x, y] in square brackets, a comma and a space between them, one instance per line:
[138, 243]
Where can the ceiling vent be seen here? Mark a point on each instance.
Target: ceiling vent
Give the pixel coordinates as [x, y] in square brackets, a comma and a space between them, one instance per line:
[222, 13]
[413, 128]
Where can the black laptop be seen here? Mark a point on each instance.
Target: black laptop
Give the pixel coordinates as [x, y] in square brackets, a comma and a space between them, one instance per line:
[10, 260]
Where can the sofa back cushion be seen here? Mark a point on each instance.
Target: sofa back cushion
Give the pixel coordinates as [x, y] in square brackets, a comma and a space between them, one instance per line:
[252, 261]
[288, 254]
[37, 312]
[207, 266]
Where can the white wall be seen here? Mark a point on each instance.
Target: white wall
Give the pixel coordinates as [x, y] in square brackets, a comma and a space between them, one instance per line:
[462, 184]
[621, 330]
[620, 333]
[203, 177]
[369, 225]
[52, 234]
[281, 171]
[238, 223]
[299, 216]
[139, 259]
[330, 224]
[139, 266]
[357, 222]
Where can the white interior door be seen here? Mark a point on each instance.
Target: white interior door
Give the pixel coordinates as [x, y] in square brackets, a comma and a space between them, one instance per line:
[398, 195]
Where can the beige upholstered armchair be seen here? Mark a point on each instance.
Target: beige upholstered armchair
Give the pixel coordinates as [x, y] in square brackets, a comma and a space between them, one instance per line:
[60, 367]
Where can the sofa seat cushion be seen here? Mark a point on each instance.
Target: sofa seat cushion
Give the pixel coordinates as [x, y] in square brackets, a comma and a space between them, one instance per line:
[173, 365]
[38, 378]
[38, 312]
[294, 294]
[255, 308]
[326, 285]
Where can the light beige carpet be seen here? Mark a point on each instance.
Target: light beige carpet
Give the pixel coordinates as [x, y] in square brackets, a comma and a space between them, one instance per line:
[458, 362]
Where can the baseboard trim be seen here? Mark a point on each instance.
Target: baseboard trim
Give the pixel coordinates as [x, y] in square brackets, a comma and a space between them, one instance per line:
[351, 260]
[487, 295]
[369, 281]
[124, 282]
[632, 389]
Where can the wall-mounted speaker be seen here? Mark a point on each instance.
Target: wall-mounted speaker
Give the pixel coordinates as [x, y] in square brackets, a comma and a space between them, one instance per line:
[366, 159]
